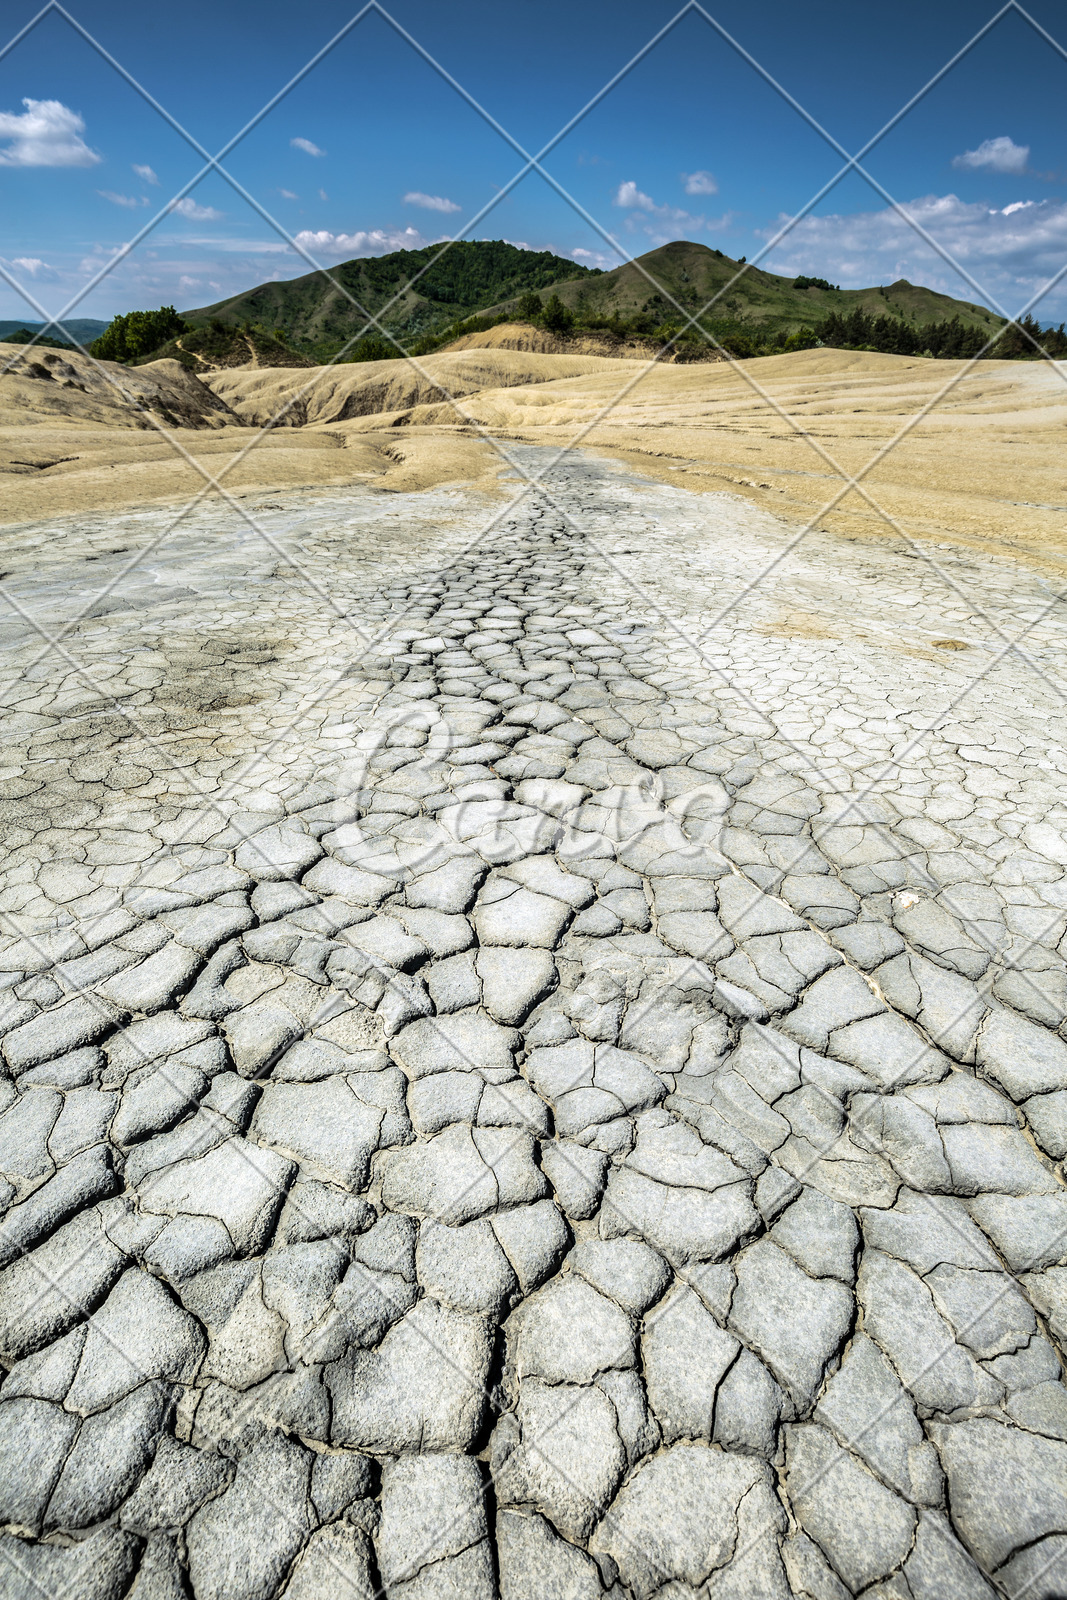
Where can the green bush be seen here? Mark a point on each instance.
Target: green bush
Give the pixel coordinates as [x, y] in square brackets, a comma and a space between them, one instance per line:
[555, 316]
[132, 337]
[529, 307]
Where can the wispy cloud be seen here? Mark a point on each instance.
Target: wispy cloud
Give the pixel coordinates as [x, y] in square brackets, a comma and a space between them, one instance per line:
[46, 134]
[699, 183]
[597, 258]
[430, 202]
[287, 194]
[229, 246]
[32, 266]
[189, 208]
[308, 148]
[996, 155]
[145, 174]
[1012, 251]
[660, 223]
[129, 200]
[372, 241]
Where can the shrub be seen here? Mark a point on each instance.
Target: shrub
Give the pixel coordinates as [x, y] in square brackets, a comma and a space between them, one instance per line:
[529, 307]
[136, 335]
[555, 316]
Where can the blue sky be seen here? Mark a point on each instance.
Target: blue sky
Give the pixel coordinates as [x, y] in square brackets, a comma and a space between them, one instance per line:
[374, 151]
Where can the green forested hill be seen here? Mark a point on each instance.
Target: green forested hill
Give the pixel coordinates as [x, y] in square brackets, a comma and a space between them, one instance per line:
[764, 302]
[494, 279]
[319, 318]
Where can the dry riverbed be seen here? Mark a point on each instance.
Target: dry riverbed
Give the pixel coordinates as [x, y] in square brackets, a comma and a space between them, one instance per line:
[533, 1054]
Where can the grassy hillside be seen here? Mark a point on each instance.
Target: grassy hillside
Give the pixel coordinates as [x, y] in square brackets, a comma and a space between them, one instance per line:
[764, 302]
[318, 317]
[217, 347]
[488, 280]
[480, 283]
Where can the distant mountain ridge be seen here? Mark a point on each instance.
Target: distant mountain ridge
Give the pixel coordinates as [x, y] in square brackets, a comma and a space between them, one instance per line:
[490, 277]
[471, 275]
[77, 330]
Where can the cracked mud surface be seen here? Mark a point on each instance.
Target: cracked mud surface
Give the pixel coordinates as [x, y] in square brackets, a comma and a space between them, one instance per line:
[528, 1108]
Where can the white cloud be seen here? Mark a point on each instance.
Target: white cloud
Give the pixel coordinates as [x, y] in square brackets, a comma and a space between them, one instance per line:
[46, 134]
[664, 222]
[145, 174]
[369, 242]
[287, 194]
[189, 208]
[699, 183]
[430, 202]
[596, 258]
[629, 196]
[129, 200]
[234, 246]
[998, 155]
[32, 266]
[1012, 253]
[323, 195]
[308, 148]
[185, 282]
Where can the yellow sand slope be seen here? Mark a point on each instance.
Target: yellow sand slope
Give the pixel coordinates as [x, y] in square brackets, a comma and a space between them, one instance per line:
[328, 395]
[978, 453]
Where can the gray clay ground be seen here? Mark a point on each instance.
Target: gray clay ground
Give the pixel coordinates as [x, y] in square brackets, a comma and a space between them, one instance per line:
[529, 1107]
